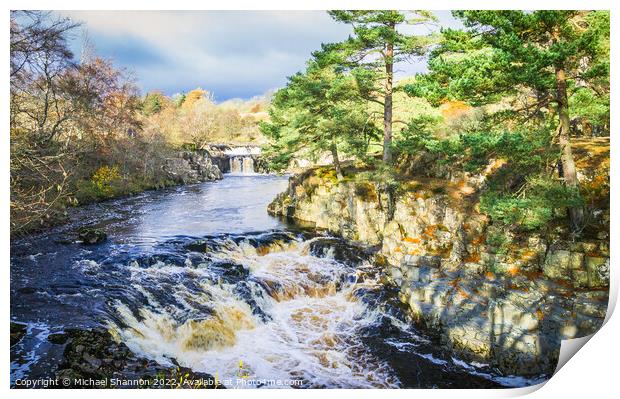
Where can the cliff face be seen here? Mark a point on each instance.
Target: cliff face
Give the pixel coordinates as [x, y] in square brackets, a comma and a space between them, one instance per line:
[490, 296]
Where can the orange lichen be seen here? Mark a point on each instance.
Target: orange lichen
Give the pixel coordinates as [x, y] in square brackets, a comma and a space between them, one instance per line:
[513, 270]
[412, 240]
[473, 258]
[429, 232]
[539, 314]
[528, 254]
[515, 287]
[462, 293]
[398, 249]
[478, 240]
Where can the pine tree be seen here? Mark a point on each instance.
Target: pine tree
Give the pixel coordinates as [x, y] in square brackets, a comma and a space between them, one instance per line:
[319, 111]
[376, 46]
[501, 53]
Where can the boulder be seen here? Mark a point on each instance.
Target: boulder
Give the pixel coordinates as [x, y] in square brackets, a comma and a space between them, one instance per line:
[340, 250]
[598, 271]
[233, 272]
[94, 354]
[18, 331]
[58, 338]
[192, 167]
[91, 236]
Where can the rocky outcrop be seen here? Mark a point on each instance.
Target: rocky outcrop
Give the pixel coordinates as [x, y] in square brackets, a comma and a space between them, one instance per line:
[18, 331]
[488, 294]
[192, 167]
[94, 355]
[218, 157]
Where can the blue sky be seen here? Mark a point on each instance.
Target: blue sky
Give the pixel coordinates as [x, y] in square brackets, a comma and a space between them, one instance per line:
[233, 54]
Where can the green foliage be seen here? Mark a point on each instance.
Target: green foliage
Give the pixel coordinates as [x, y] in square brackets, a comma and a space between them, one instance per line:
[104, 177]
[153, 103]
[517, 194]
[527, 150]
[377, 44]
[540, 201]
[502, 52]
[420, 135]
[373, 29]
[591, 106]
[320, 110]
[497, 239]
[107, 183]
[178, 99]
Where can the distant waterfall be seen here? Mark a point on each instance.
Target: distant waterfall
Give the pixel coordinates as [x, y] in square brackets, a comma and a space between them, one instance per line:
[241, 164]
[241, 159]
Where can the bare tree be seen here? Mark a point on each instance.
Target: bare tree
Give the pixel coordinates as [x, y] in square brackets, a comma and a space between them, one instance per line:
[39, 58]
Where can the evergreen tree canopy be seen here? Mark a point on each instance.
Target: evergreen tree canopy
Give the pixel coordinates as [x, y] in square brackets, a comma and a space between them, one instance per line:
[374, 48]
[546, 55]
[502, 52]
[320, 110]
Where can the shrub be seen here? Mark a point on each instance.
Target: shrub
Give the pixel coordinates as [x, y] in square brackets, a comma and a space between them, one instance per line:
[539, 202]
[104, 177]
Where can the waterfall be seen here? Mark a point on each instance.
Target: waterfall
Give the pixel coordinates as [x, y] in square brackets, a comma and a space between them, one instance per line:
[241, 164]
[248, 165]
[241, 159]
[296, 319]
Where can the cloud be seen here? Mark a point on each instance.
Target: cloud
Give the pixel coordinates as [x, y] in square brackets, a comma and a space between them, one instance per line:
[231, 53]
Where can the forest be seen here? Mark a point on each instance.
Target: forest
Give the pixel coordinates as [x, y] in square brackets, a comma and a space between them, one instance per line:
[512, 87]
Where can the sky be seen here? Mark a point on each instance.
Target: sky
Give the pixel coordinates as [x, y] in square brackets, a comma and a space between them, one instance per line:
[233, 54]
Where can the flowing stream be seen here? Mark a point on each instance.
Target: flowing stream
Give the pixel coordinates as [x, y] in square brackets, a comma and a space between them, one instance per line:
[203, 276]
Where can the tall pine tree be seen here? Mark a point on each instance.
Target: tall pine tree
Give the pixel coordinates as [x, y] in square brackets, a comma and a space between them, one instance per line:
[319, 111]
[376, 46]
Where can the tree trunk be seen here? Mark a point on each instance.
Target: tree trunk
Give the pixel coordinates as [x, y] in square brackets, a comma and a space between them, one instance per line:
[336, 160]
[569, 171]
[387, 104]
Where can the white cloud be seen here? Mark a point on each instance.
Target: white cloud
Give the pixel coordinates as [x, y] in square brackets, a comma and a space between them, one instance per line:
[233, 53]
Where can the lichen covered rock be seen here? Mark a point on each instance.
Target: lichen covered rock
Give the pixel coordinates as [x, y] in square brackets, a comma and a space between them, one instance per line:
[486, 293]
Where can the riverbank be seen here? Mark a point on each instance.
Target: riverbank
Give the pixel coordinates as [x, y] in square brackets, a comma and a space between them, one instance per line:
[201, 276]
[185, 167]
[489, 294]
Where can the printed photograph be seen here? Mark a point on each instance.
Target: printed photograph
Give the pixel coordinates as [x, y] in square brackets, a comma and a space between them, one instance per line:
[305, 199]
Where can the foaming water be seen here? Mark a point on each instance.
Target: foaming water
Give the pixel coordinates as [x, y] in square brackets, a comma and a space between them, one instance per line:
[202, 276]
[306, 330]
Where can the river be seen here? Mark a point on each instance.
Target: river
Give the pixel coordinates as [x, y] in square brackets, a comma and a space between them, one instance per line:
[203, 275]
